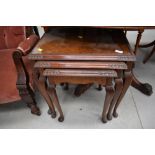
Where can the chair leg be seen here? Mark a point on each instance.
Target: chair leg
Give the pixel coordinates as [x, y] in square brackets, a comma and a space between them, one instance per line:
[27, 96]
[147, 57]
[109, 96]
[52, 93]
[25, 91]
[127, 83]
[118, 90]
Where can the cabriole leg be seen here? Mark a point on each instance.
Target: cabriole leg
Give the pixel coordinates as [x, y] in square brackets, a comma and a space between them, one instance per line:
[127, 83]
[118, 90]
[41, 84]
[109, 96]
[52, 93]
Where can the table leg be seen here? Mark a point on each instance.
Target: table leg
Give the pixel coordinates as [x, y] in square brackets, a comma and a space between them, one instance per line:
[108, 99]
[126, 84]
[118, 90]
[52, 93]
[41, 85]
[145, 88]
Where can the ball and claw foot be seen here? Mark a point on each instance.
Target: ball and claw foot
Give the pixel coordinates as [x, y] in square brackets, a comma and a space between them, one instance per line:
[109, 117]
[104, 119]
[147, 89]
[115, 114]
[61, 119]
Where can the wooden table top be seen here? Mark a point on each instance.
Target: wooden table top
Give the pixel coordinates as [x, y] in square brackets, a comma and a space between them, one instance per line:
[132, 28]
[72, 43]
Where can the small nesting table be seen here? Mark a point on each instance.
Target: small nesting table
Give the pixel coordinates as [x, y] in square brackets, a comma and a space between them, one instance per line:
[83, 56]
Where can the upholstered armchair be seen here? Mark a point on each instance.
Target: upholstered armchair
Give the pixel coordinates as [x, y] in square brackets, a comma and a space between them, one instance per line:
[16, 80]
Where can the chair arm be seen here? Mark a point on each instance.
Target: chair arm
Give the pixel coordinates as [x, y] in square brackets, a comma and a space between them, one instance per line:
[27, 45]
[22, 82]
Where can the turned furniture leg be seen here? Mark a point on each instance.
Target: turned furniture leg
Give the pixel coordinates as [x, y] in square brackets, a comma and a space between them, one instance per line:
[118, 90]
[81, 88]
[139, 36]
[109, 96]
[127, 83]
[27, 96]
[145, 88]
[41, 84]
[52, 93]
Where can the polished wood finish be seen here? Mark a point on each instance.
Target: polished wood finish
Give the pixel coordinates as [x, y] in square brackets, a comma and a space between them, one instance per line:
[85, 56]
[52, 93]
[118, 91]
[108, 99]
[93, 45]
[125, 28]
[103, 77]
[139, 36]
[126, 84]
[23, 83]
[23, 79]
[40, 82]
[80, 65]
[145, 88]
